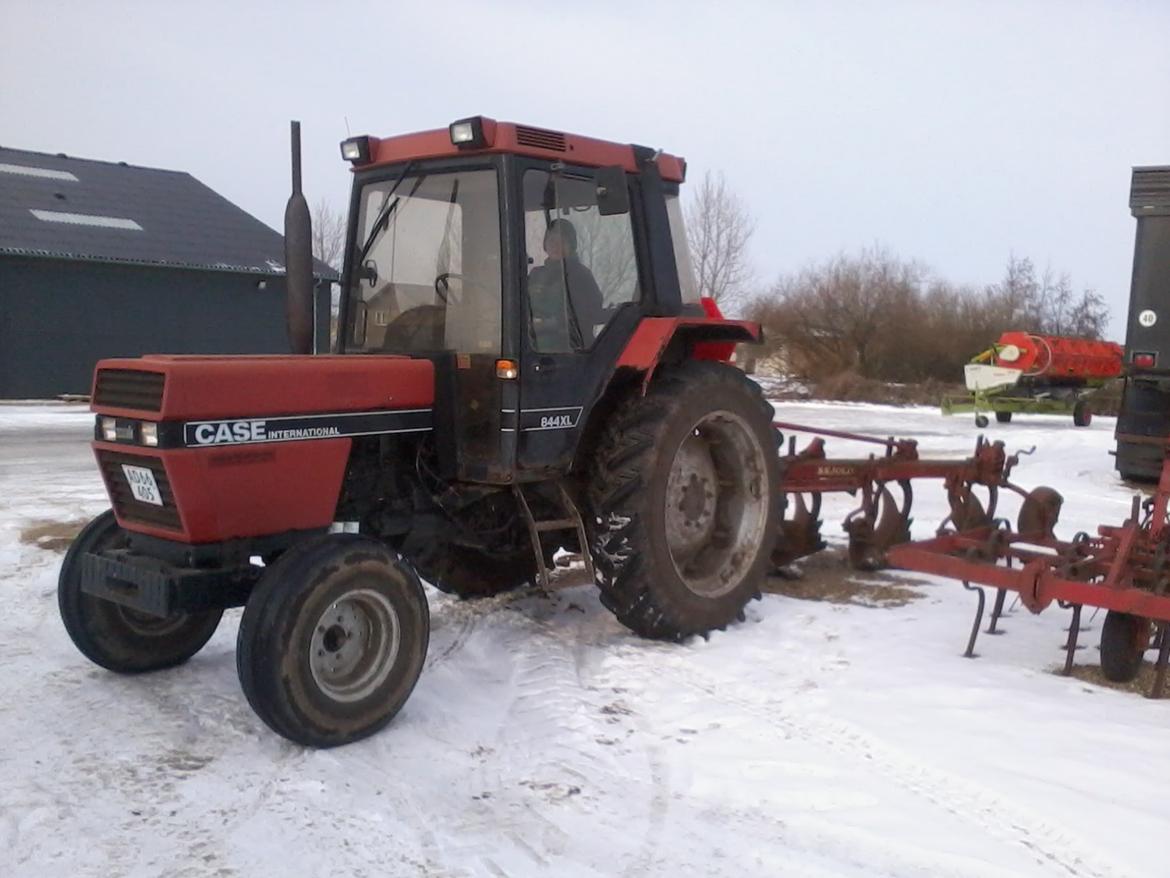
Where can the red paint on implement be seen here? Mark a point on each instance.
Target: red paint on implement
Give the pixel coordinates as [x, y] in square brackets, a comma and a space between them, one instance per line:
[1053, 356]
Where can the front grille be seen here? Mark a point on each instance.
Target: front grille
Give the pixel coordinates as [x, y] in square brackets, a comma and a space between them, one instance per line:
[123, 499]
[129, 389]
[540, 138]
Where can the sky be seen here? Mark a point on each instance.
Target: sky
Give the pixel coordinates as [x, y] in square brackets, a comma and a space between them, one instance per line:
[953, 133]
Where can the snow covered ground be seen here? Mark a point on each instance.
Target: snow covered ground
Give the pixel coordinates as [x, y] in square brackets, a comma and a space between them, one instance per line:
[815, 739]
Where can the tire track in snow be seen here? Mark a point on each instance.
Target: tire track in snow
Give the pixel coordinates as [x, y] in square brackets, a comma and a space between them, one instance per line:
[1048, 844]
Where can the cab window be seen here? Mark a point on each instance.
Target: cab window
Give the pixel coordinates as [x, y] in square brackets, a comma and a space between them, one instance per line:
[427, 269]
[582, 266]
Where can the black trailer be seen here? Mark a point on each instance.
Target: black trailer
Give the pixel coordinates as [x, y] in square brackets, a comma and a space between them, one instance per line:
[1143, 424]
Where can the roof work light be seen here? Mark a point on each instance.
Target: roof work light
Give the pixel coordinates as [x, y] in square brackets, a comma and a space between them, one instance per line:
[356, 149]
[468, 133]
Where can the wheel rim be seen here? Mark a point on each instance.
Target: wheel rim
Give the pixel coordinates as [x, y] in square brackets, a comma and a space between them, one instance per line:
[354, 645]
[716, 504]
[146, 625]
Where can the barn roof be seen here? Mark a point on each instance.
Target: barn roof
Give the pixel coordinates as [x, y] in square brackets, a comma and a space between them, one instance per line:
[58, 206]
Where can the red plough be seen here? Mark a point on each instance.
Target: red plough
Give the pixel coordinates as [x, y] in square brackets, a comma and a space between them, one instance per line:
[1125, 569]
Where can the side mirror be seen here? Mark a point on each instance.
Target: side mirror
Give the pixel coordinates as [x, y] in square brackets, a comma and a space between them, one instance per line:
[613, 194]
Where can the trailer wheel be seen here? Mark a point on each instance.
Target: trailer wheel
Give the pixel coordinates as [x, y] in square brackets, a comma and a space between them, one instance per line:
[115, 637]
[1124, 641]
[683, 502]
[981, 422]
[1082, 414]
[333, 640]
[1003, 417]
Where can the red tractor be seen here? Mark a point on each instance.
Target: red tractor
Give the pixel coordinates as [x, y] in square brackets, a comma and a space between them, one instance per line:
[523, 366]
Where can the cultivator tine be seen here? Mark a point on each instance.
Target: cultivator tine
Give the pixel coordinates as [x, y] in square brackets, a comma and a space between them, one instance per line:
[997, 611]
[970, 653]
[1074, 630]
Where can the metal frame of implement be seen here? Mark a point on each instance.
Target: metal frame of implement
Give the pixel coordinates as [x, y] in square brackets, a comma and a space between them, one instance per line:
[1124, 569]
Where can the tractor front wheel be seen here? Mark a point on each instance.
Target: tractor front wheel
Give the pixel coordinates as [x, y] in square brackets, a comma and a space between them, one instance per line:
[333, 640]
[683, 502]
[119, 638]
[1124, 641]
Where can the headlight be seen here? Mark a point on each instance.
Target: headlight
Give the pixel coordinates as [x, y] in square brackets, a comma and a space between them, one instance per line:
[148, 433]
[110, 429]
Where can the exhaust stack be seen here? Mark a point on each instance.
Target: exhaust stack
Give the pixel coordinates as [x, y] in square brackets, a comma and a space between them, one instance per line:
[298, 258]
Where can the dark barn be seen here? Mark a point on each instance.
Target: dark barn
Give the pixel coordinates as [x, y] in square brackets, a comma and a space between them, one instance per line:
[101, 259]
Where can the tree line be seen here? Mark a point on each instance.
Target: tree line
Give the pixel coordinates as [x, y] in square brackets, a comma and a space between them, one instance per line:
[875, 314]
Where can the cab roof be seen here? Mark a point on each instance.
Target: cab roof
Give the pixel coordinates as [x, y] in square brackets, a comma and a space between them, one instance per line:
[515, 139]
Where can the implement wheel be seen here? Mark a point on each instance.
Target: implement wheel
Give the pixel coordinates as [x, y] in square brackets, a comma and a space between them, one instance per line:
[1082, 414]
[333, 640]
[684, 502]
[1124, 641]
[1003, 417]
[116, 637]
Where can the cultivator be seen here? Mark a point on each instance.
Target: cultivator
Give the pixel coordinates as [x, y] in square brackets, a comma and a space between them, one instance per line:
[1125, 569]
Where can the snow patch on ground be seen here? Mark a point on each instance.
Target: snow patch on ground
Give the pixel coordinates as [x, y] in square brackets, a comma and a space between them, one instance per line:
[814, 739]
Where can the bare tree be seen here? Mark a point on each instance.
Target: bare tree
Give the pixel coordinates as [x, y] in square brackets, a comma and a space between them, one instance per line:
[328, 234]
[838, 315]
[1047, 303]
[719, 230]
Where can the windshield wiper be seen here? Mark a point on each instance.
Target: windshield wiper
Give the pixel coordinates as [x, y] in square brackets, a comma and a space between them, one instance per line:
[381, 221]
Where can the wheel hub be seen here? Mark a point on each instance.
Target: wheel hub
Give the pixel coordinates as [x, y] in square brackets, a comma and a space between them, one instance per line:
[354, 645]
[716, 503]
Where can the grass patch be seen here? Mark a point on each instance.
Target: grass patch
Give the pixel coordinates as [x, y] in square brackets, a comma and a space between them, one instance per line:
[52, 536]
[1142, 684]
[828, 577]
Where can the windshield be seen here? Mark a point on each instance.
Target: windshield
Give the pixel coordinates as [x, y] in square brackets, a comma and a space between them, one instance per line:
[430, 276]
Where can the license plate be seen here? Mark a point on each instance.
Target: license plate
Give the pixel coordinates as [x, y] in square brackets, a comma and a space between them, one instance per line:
[142, 484]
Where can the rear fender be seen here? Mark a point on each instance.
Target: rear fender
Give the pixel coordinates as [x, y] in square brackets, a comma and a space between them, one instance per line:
[696, 338]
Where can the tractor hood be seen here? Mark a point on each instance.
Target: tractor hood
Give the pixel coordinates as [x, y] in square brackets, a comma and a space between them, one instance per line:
[191, 387]
[207, 449]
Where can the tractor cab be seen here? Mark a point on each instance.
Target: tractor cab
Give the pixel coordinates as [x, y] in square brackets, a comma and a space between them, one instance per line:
[521, 262]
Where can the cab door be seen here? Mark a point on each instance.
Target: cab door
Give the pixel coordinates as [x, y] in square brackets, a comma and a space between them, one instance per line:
[580, 301]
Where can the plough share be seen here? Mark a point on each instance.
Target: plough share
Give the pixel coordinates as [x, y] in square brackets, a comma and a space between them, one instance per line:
[1124, 569]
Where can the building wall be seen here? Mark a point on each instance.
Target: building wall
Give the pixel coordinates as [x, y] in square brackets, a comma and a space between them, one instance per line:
[58, 318]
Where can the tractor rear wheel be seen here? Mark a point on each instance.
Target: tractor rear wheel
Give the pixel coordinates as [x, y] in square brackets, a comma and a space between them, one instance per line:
[468, 573]
[683, 502]
[333, 640]
[119, 638]
[1124, 641]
